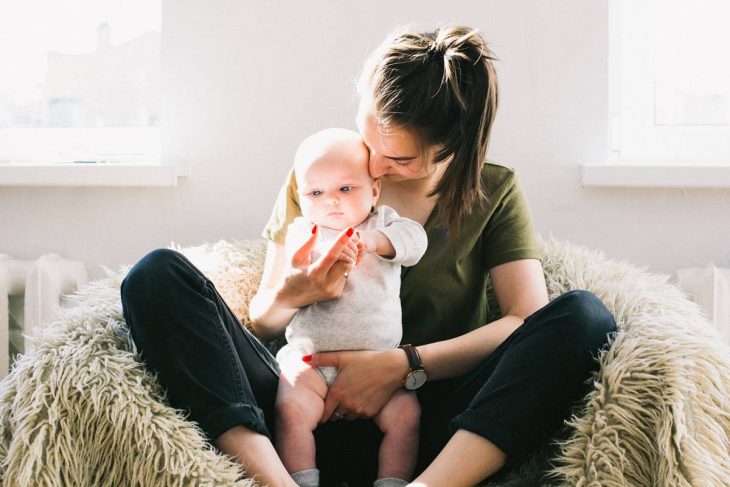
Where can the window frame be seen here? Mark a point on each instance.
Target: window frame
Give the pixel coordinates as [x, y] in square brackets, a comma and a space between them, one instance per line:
[85, 156]
[625, 166]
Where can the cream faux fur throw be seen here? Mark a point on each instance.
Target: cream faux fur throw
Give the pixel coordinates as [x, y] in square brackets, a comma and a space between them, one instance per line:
[80, 410]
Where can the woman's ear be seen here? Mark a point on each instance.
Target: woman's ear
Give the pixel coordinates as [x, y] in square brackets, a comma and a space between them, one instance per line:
[376, 191]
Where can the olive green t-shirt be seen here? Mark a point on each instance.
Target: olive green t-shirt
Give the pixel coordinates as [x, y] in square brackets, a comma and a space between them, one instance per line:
[444, 295]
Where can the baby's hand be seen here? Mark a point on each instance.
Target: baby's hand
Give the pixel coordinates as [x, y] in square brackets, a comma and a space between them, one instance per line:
[368, 241]
[376, 242]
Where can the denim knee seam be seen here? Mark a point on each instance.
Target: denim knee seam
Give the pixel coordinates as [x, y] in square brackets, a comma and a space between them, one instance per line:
[272, 364]
[240, 392]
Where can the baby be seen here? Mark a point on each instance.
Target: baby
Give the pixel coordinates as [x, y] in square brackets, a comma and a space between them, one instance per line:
[337, 193]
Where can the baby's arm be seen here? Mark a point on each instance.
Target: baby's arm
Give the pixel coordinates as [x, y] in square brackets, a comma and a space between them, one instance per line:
[394, 237]
[377, 242]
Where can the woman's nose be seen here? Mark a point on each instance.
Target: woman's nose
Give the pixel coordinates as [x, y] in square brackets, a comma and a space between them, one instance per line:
[378, 166]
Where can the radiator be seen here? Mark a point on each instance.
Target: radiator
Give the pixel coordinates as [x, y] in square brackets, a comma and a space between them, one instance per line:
[709, 287]
[31, 293]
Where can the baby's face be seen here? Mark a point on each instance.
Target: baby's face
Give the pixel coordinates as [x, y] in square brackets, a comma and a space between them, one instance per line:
[336, 190]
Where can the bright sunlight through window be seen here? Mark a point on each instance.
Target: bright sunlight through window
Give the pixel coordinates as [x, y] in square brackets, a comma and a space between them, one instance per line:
[670, 81]
[81, 81]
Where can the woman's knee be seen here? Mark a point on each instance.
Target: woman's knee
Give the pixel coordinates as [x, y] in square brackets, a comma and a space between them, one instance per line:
[152, 274]
[586, 318]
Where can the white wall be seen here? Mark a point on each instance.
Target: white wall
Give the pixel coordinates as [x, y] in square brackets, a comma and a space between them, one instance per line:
[246, 81]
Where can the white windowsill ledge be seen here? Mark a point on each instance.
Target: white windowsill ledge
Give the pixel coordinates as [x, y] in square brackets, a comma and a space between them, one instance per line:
[90, 174]
[655, 176]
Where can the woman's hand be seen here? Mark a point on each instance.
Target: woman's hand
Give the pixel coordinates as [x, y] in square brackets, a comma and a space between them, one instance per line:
[365, 382]
[305, 282]
[289, 283]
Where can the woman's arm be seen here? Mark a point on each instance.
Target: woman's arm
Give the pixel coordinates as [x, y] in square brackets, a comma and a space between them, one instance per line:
[287, 284]
[520, 289]
[268, 314]
[368, 379]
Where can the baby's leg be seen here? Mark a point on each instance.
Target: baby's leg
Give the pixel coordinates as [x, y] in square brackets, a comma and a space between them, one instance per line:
[399, 421]
[299, 407]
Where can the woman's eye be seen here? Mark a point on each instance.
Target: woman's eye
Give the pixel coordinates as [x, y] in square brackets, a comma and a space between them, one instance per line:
[346, 189]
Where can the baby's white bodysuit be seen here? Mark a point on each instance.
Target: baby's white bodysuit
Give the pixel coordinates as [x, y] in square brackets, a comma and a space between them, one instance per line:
[367, 316]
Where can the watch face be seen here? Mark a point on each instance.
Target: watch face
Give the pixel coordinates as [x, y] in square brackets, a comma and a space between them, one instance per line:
[415, 379]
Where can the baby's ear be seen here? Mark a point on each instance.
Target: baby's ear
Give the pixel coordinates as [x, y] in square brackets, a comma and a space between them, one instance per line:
[376, 190]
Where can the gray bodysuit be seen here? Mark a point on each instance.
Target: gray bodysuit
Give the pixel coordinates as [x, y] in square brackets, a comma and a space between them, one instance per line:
[367, 316]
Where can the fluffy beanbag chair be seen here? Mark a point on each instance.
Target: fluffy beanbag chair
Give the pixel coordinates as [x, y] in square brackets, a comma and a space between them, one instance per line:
[81, 410]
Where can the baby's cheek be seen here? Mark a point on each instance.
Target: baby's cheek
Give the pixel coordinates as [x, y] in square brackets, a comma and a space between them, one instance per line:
[307, 208]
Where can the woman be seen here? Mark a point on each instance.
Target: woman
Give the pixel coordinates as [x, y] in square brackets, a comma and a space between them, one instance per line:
[494, 393]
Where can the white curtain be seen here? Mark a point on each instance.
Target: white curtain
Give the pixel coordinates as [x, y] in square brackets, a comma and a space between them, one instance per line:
[709, 287]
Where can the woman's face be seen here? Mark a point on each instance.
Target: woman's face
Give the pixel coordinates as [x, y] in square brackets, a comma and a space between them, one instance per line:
[395, 155]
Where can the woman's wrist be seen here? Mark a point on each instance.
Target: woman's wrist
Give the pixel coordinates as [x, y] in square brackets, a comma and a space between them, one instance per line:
[268, 319]
[398, 364]
[283, 298]
[289, 295]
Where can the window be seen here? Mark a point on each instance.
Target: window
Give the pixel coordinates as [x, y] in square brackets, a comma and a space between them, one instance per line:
[81, 81]
[670, 82]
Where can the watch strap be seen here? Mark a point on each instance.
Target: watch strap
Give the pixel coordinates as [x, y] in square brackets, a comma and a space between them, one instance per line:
[414, 358]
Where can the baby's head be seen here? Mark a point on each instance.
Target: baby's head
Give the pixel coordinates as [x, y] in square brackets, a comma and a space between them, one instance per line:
[335, 187]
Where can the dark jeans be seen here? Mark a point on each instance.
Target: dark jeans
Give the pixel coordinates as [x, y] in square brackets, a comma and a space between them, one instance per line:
[518, 397]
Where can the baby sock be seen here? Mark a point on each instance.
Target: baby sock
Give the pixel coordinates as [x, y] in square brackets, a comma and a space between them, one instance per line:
[389, 482]
[307, 478]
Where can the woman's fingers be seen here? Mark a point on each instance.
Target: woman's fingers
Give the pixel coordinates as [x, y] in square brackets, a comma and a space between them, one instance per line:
[331, 414]
[365, 382]
[302, 257]
[337, 407]
[323, 359]
[331, 403]
[341, 401]
[329, 259]
[341, 269]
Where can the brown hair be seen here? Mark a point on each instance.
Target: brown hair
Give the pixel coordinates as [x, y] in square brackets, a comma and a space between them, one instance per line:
[441, 85]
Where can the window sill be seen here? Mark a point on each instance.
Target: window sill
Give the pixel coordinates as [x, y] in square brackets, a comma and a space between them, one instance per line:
[90, 174]
[638, 175]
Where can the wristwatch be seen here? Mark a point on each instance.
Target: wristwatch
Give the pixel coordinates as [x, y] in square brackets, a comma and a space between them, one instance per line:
[417, 375]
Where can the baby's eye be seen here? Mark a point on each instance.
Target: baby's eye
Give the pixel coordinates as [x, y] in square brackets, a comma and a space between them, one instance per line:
[346, 188]
[316, 192]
